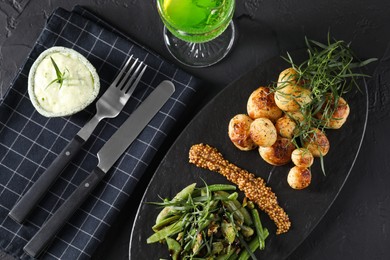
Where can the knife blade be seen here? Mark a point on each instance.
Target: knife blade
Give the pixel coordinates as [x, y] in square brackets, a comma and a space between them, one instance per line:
[29, 201]
[107, 156]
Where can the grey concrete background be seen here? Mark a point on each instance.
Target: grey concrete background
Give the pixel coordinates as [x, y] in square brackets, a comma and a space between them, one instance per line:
[357, 225]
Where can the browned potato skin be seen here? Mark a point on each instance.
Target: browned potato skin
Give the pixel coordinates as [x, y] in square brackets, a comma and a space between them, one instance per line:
[263, 132]
[299, 177]
[317, 143]
[239, 134]
[339, 116]
[285, 126]
[290, 96]
[279, 153]
[298, 116]
[302, 157]
[289, 76]
[261, 103]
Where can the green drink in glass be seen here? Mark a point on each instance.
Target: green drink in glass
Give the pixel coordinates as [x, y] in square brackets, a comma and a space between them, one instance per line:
[198, 33]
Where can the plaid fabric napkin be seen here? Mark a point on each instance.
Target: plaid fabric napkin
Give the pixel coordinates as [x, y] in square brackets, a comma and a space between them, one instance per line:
[29, 142]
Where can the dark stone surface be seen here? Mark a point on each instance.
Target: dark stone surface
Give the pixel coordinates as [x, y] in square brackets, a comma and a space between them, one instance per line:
[357, 225]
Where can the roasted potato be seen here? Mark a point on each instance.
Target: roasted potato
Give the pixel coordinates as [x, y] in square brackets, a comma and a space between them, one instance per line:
[297, 116]
[299, 177]
[239, 133]
[289, 95]
[263, 132]
[292, 98]
[285, 127]
[279, 153]
[288, 76]
[261, 103]
[339, 114]
[302, 157]
[317, 143]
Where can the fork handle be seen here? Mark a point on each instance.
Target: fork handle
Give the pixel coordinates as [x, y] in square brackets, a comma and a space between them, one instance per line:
[88, 128]
[32, 197]
[50, 228]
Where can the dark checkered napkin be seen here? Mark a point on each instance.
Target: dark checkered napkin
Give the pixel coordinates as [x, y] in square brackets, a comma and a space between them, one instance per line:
[29, 142]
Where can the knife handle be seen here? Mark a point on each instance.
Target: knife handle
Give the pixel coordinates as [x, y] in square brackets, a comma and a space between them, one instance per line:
[32, 197]
[49, 229]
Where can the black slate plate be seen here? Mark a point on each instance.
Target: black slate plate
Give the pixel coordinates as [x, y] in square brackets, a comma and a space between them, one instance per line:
[305, 208]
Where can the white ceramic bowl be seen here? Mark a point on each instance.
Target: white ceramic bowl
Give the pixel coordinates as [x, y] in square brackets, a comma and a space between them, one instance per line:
[53, 100]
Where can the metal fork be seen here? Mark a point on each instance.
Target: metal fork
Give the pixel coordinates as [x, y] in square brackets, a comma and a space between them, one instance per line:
[108, 106]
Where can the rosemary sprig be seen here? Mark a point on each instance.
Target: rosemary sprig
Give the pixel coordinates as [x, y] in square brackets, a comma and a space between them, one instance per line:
[60, 75]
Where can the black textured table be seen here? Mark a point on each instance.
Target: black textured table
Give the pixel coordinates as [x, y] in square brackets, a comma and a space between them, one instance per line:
[357, 225]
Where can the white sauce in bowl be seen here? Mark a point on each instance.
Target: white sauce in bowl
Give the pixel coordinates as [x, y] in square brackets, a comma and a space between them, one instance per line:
[79, 88]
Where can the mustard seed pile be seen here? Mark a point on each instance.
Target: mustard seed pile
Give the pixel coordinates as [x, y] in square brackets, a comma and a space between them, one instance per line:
[205, 156]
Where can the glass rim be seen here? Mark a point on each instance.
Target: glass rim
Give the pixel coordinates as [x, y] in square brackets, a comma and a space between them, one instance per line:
[221, 23]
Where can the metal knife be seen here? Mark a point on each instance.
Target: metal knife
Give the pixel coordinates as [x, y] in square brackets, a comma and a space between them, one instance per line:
[28, 202]
[107, 156]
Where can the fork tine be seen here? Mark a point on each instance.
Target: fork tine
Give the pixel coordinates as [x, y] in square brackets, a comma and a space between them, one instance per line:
[127, 75]
[122, 70]
[123, 86]
[131, 90]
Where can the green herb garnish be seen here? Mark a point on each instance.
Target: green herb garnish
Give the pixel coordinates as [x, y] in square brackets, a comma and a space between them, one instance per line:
[329, 74]
[327, 71]
[60, 75]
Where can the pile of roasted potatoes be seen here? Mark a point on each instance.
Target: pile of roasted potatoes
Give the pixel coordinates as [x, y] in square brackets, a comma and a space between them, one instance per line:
[273, 122]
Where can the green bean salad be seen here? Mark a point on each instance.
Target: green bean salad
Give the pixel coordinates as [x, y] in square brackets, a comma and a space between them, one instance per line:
[209, 223]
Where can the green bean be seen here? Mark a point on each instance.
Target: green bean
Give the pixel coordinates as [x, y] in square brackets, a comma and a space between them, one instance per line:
[165, 222]
[247, 231]
[182, 195]
[174, 248]
[205, 198]
[261, 233]
[244, 212]
[233, 197]
[231, 207]
[212, 188]
[253, 245]
[219, 187]
[164, 213]
[226, 256]
[247, 247]
[250, 204]
[233, 257]
[165, 232]
[247, 216]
